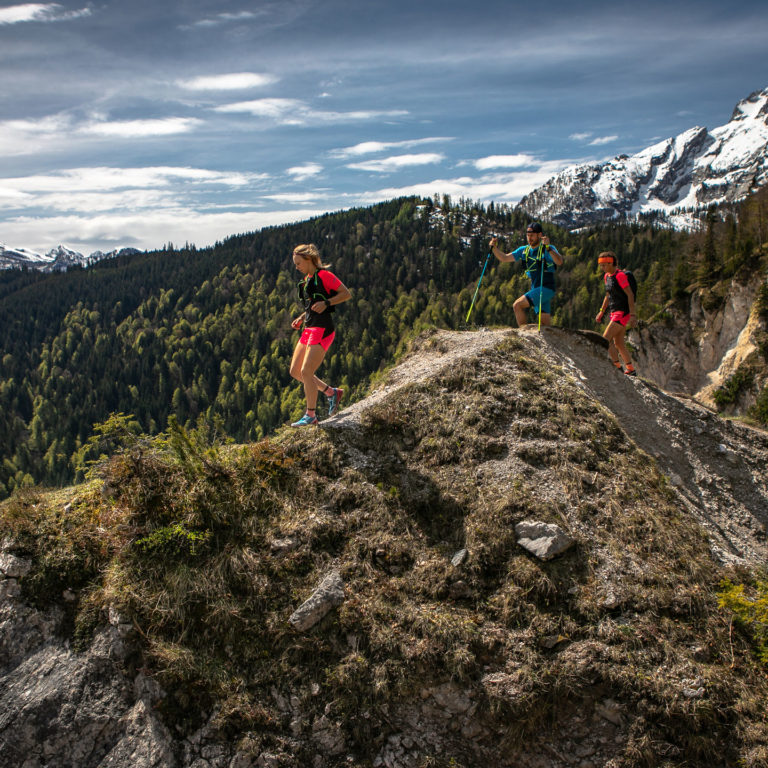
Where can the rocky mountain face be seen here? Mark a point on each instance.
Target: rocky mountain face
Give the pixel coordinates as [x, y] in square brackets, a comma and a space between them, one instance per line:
[678, 177]
[508, 554]
[697, 349]
[56, 260]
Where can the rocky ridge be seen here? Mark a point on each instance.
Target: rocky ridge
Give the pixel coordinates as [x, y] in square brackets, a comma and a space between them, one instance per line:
[416, 520]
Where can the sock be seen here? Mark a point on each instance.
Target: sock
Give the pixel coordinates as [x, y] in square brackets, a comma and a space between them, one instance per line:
[630, 367]
[310, 411]
[617, 364]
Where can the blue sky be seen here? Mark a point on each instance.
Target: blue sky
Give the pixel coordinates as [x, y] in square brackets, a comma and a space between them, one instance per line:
[147, 122]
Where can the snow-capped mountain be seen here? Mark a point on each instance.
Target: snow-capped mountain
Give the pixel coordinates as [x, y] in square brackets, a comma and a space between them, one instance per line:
[57, 259]
[675, 177]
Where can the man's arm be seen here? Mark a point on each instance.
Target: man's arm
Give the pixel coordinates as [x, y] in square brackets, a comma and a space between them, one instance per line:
[551, 250]
[498, 253]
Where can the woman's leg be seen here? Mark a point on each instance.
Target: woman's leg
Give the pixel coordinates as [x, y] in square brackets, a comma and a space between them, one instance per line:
[297, 362]
[615, 334]
[313, 359]
[610, 334]
[622, 347]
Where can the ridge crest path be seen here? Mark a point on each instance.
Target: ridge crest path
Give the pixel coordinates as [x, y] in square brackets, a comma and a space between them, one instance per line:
[717, 468]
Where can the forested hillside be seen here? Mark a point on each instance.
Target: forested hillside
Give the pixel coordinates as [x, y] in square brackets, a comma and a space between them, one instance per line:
[205, 334]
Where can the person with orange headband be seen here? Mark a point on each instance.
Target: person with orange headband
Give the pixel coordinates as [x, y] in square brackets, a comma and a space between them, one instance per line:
[620, 302]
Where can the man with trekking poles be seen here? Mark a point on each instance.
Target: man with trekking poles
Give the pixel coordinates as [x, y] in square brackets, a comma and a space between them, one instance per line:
[540, 259]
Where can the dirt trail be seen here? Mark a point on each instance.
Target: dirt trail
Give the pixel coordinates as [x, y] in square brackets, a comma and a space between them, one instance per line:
[718, 468]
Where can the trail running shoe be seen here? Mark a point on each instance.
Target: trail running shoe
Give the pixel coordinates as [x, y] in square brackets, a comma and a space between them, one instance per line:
[618, 367]
[305, 421]
[334, 400]
[630, 371]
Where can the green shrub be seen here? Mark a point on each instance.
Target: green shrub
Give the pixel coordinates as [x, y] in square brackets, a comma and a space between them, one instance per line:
[749, 605]
[730, 392]
[759, 411]
[174, 541]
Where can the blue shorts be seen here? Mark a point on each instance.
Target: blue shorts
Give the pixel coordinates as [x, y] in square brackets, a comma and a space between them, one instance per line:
[543, 294]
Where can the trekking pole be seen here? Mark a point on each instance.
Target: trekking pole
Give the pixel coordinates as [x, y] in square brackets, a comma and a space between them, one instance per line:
[478, 285]
[541, 286]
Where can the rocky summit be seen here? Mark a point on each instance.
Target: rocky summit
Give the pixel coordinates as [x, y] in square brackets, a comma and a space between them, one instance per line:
[678, 177]
[508, 553]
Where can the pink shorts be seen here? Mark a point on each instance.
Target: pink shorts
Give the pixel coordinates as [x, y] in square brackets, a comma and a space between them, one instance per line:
[312, 336]
[622, 318]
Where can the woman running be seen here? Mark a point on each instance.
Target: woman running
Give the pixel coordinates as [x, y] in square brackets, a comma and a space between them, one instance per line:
[320, 291]
[620, 301]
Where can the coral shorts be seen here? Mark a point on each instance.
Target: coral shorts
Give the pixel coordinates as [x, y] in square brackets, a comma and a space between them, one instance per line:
[622, 318]
[312, 336]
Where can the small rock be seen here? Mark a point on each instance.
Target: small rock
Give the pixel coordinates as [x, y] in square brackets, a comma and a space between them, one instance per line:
[692, 689]
[329, 595]
[610, 711]
[241, 760]
[451, 699]
[676, 480]
[69, 595]
[287, 544]
[459, 558]
[268, 760]
[544, 540]
[13, 567]
[9, 588]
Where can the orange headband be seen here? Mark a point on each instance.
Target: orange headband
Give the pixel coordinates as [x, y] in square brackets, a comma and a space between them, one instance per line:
[605, 260]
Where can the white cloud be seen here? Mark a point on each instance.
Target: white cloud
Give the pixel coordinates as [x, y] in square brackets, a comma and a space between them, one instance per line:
[295, 112]
[17, 14]
[301, 172]
[230, 82]
[296, 197]
[503, 161]
[395, 163]
[372, 147]
[602, 140]
[137, 129]
[148, 230]
[27, 137]
[226, 18]
[503, 187]
[106, 178]
[580, 136]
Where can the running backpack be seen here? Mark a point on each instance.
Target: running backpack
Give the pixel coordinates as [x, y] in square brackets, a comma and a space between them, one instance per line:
[632, 281]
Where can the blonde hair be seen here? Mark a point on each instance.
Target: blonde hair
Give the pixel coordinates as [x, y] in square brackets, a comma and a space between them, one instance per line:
[310, 251]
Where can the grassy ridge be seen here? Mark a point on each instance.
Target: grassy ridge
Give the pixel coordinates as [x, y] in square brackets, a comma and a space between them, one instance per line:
[181, 534]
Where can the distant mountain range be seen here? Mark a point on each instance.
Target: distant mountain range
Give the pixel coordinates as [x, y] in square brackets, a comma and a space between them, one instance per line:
[57, 259]
[678, 178]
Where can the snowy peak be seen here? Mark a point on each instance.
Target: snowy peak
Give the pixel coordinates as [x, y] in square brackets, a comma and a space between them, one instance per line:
[58, 259]
[688, 172]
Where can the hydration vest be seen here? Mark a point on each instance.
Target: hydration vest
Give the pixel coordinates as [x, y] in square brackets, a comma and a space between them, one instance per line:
[533, 259]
